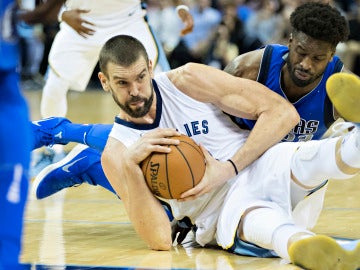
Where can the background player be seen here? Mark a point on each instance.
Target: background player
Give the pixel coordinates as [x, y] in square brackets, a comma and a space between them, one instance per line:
[85, 26]
[15, 139]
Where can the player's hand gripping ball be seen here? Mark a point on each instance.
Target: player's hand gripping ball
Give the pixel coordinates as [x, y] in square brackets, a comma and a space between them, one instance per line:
[169, 175]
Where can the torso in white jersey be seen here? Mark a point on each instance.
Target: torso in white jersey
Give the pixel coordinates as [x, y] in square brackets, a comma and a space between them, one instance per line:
[205, 124]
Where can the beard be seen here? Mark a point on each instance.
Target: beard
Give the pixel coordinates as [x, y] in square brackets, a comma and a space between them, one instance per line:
[139, 111]
[298, 82]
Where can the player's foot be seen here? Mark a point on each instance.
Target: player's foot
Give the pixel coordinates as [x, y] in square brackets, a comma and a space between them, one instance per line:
[42, 159]
[49, 131]
[343, 90]
[68, 172]
[339, 128]
[321, 252]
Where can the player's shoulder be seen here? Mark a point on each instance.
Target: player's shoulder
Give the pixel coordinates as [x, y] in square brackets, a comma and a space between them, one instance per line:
[246, 65]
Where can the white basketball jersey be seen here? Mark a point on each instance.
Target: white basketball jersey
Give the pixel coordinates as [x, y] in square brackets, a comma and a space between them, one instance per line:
[205, 124]
[104, 7]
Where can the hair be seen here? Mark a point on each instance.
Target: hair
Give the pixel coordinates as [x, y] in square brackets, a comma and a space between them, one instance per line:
[320, 21]
[121, 50]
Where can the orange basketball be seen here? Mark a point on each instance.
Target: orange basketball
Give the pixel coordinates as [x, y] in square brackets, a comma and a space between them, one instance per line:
[169, 175]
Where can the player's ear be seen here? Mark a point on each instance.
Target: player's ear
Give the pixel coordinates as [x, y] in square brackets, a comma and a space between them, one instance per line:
[290, 39]
[332, 54]
[151, 69]
[103, 81]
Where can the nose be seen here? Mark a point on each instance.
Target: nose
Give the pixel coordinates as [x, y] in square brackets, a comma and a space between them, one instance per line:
[134, 90]
[306, 63]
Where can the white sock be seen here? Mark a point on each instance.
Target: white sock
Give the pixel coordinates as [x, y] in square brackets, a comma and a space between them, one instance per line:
[316, 161]
[281, 236]
[53, 101]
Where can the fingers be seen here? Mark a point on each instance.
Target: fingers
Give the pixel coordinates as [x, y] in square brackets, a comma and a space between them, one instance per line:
[194, 193]
[83, 10]
[158, 141]
[85, 31]
[161, 133]
[188, 21]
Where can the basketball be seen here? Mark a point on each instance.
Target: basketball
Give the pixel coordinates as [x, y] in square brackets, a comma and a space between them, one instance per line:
[169, 175]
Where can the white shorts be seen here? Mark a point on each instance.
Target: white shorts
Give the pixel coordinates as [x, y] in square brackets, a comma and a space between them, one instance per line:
[74, 58]
[266, 183]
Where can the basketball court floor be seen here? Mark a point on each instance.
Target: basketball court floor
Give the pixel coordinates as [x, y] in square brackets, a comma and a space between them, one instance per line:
[86, 227]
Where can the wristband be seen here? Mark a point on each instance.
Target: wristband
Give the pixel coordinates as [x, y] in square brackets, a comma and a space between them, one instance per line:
[232, 163]
[182, 7]
[61, 11]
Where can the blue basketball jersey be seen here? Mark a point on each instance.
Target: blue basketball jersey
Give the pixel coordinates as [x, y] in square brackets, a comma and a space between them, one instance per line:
[315, 108]
[8, 39]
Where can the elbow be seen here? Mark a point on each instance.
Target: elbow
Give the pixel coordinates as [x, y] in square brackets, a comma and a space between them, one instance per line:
[295, 116]
[160, 238]
[161, 247]
[291, 115]
[161, 243]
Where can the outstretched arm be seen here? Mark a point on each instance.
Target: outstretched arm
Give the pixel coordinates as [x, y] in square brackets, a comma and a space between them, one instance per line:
[144, 210]
[242, 98]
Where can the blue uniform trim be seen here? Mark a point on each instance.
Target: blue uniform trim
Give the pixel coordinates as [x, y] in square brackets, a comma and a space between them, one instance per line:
[315, 108]
[246, 249]
[157, 118]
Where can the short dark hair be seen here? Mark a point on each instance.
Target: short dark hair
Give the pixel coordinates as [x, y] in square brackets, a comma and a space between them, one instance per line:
[122, 50]
[320, 21]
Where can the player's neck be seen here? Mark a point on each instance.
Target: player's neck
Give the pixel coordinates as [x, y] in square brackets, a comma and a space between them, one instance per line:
[291, 90]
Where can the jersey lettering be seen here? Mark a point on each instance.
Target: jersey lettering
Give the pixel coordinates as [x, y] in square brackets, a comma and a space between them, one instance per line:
[303, 131]
[196, 128]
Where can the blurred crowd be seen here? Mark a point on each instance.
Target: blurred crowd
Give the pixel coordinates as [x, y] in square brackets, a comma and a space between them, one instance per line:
[223, 29]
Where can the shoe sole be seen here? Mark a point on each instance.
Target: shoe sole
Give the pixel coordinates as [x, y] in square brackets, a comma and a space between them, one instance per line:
[343, 90]
[35, 184]
[321, 252]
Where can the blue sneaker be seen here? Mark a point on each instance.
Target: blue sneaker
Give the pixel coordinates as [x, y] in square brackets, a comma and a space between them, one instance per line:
[49, 131]
[70, 171]
[40, 160]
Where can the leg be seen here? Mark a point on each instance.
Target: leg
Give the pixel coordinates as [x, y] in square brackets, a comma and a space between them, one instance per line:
[269, 228]
[81, 165]
[54, 100]
[59, 130]
[15, 142]
[342, 156]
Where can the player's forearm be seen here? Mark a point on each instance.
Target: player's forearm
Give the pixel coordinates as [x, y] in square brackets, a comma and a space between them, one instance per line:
[144, 210]
[45, 13]
[270, 128]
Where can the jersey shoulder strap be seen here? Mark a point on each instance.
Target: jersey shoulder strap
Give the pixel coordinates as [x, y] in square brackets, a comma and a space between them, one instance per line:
[265, 64]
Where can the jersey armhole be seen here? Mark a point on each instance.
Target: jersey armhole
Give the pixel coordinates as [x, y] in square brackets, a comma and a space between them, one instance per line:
[265, 64]
[328, 106]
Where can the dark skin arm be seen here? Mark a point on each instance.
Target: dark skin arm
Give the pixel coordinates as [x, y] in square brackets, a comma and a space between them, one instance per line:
[246, 65]
[46, 13]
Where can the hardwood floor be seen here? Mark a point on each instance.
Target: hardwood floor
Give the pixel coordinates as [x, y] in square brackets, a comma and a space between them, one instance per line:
[86, 227]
